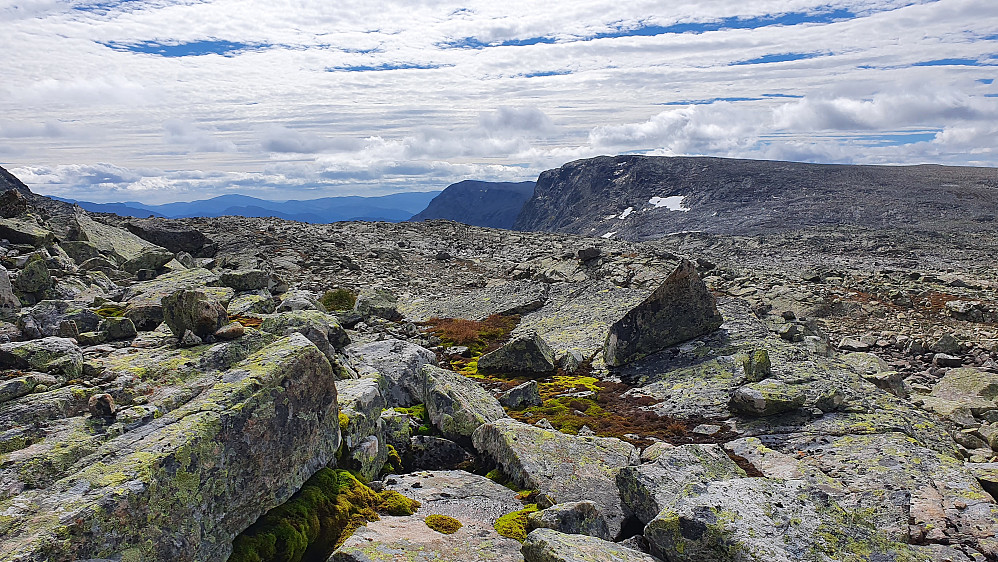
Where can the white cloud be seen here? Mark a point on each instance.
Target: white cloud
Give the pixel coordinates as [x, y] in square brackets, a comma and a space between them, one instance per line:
[272, 119]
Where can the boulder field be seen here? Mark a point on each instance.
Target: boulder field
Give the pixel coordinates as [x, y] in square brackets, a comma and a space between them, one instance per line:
[518, 397]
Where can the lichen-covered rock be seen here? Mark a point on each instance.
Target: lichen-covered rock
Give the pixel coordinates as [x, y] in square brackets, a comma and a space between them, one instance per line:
[457, 405]
[118, 328]
[361, 404]
[969, 385]
[865, 363]
[25, 231]
[54, 355]
[250, 280]
[521, 396]
[766, 519]
[766, 398]
[377, 302]
[173, 236]
[648, 488]
[426, 452]
[195, 311]
[524, 353]
[757, 365]
[145, 308]
[16, 387]
[182, 486]
[46, 317]
[546, 545]
[151, 258]
[575, 518]
[320, 328]
[79, 250]
[475, 501]
[9, 303]
[34, 278]
[564, 467]
[299, 300]
[112, 241]
[400, 365]
[680, 309]
[243, 305]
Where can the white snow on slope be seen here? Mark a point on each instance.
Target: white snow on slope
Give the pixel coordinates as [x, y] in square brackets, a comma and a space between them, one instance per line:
[673, 202]
[609, 235]
[626, 212]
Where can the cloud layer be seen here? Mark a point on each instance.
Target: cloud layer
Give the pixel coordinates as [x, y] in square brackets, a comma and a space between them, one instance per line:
[166, 100]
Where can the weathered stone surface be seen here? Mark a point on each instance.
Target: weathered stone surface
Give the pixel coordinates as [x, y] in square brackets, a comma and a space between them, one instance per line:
[960, 384]
[575, 518]
[195, 311]
[680, 309]
[152, 258]
[648, 488]
[230, 331]
[524, 353]
[361, 404]
[546, 545]
[251, 304]
[12, 203]
[766, 398]
[182, 486]
[58, 356]
[144, 299]
[400, 364]
[9, 303]
[457, 405]
[79, 250]
[25, 231]
[765, 519]
[172, 236]
[112, 241]
[34, 278]
[564, 467]
[299, 300]
[865, 363]
[757, 365]
[426, 452]
[16, 387]
[376, 302]
[473, 500]
[512, 297]
[118, 328]
[45, 318]
[320, 328]
[521, 396]
[249, 280]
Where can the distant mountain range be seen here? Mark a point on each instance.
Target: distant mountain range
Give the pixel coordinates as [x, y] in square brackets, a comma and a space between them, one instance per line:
[396, 207]
[479, 203]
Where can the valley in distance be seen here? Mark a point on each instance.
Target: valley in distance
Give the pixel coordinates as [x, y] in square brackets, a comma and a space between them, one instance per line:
[632, 358]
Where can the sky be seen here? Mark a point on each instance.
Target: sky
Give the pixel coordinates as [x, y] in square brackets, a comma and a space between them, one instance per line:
[166, 100]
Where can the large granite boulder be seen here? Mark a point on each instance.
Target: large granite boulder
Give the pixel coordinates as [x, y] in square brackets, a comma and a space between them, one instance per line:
[44, 318]
[251, 280]
[151, 258]
[320, 328]
[766, 519]
[173, 236]
[575, 518]
[546, 545]
[766, 398]
[400, 365]
[648, 488]
[524, 353]
[193, 311]
[966, 387]
[457, 405]
[54, 355]
[25, 231]
[183, 484]
[377, 303]
[145, 299]
[680, 309]
[34, 278]
[563, 467]
[9, 303]
[117, 243]
[362, 430]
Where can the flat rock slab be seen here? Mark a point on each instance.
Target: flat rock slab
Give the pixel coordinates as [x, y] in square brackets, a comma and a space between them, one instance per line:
[564, 467]
[545, 545]
[473, 500]
[514, 297]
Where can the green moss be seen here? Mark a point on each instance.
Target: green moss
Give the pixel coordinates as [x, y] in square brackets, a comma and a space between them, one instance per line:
[514, 525]
[110, 311]
[317, 519]
[394, 503]
[442, 524]
[338, 299]
[418, 411]
[344, 421]
[394, 460]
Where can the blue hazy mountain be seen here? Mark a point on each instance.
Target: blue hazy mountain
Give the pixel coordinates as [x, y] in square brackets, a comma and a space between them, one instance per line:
[479, 203]
[396, 207]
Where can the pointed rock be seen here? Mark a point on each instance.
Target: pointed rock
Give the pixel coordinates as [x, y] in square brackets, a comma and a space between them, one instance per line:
[526, 353]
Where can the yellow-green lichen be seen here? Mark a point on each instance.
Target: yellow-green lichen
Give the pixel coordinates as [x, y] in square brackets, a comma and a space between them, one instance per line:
[442, 523]
[514, 525]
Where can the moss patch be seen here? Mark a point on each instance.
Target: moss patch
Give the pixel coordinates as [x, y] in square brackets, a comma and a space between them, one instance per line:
[442, 524]
[514, 525]
[338, 299]
[324, 513]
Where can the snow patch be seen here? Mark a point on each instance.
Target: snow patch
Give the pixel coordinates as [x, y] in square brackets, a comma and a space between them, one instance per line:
[673, 202]
[626, 212]
[609, 235]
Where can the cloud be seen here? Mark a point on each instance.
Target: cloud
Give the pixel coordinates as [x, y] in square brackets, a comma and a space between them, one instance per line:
[194, 139]
[440, 91]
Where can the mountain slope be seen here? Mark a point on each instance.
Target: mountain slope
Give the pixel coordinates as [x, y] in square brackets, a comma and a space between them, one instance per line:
[645, 197]
[479, 203]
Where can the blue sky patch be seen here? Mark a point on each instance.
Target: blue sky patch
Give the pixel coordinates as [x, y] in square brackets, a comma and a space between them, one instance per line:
[777, 57]
[191, 49]
[986, 81]
[707, 101]
[950, 62]
[383, 67]
[900, 138]
[545, 73]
